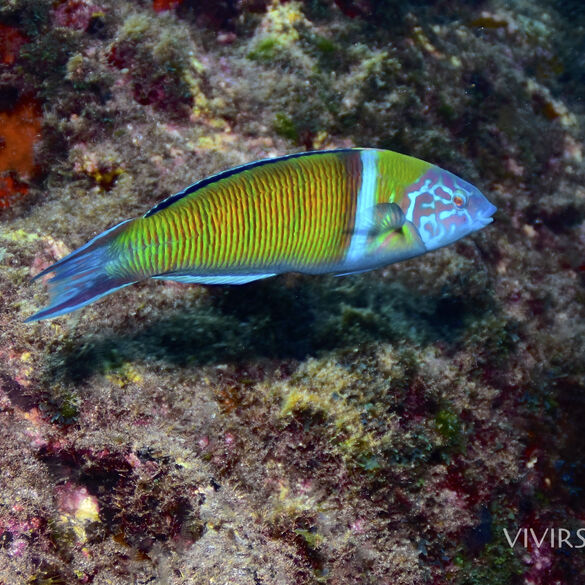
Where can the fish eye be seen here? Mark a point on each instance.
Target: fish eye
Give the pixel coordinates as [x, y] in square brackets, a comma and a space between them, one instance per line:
[459, 199]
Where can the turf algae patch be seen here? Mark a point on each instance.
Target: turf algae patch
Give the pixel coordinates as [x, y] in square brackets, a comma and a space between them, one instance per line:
[175, 84]
[346, 399]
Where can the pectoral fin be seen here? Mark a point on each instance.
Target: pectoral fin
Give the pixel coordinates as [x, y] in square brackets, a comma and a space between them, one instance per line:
[404, 242]
[383, 218]
[385, 247]
[387, 217]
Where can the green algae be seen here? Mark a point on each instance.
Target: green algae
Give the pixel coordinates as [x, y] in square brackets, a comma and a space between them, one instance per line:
[62, 407]
[278, 32]
[496, 561]
[448, 425]
[265, 49]
[285, 126]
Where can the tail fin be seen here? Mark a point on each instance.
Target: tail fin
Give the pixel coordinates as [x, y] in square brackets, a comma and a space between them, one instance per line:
[80, 278]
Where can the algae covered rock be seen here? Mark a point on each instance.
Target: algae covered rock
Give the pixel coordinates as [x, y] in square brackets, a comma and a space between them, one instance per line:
[387, 427]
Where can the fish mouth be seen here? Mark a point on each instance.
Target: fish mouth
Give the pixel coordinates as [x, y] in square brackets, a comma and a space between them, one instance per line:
[486, 217]
[481, 222]
[491, 209]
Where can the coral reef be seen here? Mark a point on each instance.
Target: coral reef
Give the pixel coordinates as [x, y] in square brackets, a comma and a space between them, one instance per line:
[390, 427]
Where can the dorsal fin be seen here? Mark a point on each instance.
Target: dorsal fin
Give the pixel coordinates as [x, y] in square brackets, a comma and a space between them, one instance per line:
[233, 171]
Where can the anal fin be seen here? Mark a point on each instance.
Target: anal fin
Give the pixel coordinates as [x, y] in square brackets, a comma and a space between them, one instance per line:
[216, 279]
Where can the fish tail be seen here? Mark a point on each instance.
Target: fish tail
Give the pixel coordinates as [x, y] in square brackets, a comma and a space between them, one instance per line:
[81, 277]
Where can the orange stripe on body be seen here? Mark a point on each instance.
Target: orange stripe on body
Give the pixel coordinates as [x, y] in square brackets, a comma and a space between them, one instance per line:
[293, 214]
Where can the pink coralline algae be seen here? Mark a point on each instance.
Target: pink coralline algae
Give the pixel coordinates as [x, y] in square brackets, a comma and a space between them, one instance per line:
[76, 501]
[16, 533]
[75, 14]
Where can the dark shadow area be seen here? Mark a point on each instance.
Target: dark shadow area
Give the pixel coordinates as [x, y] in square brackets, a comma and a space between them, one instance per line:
[570, 49]
[272, 320]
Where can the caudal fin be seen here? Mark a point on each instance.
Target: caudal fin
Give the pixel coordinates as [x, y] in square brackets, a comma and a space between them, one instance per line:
[81, 277]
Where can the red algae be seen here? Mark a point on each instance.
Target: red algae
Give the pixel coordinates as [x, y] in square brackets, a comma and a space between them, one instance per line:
[353, 9]
[19, 131]
[11, 39]
[11, 189]
[162, 5]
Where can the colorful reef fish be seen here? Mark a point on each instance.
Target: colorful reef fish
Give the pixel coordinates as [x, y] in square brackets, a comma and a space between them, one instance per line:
[338, 211]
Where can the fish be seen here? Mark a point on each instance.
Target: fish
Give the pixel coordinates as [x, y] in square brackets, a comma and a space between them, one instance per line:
[340, 211]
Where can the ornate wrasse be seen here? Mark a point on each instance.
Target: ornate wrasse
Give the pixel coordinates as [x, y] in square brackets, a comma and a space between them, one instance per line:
[338, 211]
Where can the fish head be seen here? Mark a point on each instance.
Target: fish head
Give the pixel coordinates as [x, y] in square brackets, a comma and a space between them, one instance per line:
[445, 208]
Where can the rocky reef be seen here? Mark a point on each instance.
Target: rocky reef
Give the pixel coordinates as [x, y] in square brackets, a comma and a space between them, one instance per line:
[391, 427]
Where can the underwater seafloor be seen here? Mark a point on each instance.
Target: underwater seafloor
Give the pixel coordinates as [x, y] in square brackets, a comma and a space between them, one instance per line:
[396, 427]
